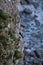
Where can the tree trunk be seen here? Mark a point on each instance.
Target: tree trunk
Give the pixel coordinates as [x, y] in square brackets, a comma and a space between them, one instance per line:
[11, 43]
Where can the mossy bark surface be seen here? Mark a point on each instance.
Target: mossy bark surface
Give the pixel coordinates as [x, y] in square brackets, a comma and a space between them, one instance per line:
[11, 52]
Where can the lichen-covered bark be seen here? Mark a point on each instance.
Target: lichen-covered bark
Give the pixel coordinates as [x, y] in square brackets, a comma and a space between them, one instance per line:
[11, 43]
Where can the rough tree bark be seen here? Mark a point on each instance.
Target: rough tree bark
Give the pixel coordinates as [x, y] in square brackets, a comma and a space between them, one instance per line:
[11, 43]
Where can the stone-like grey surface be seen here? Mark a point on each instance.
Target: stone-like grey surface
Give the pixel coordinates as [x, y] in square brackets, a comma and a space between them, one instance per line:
[32, 30]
